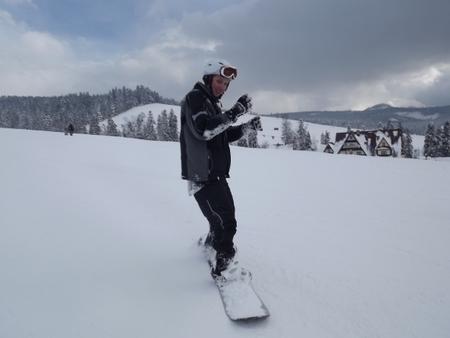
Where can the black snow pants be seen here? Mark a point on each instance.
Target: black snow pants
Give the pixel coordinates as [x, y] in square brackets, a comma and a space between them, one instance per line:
[217, 205]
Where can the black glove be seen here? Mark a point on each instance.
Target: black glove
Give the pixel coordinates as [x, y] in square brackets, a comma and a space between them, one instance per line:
[254, 123]
[242, 106]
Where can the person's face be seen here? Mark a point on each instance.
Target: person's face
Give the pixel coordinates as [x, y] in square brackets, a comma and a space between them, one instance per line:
[219, 85]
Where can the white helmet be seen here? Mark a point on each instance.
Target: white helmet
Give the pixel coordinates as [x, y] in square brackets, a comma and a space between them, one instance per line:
[220, 67]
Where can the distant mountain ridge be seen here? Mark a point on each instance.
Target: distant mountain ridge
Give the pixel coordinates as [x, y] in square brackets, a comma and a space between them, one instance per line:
[379, 106]
[413, 118]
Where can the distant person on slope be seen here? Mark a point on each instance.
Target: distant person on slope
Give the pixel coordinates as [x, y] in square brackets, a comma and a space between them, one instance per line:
[205, 134]
[70, 129]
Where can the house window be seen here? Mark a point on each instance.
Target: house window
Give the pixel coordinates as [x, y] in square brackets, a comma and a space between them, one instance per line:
[384, 152]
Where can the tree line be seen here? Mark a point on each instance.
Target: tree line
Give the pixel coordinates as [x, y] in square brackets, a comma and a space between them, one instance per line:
[143, 126]
[165, 128]
[300, 138]
[54, 113]
[437, 141]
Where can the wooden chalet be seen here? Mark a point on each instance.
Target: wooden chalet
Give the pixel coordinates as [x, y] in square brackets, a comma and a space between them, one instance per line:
[329, 148]
[353, 144]
[383, 148]
[382, 142]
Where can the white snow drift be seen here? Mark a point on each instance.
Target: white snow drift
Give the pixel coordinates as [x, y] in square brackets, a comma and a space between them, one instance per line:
[98, 240]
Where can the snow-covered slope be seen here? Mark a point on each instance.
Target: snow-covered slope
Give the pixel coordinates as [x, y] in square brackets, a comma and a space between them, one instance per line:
[270, 136]
[131, 114]
[98, 240]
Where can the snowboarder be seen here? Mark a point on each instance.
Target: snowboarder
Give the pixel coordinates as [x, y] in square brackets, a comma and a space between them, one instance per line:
[205, 135]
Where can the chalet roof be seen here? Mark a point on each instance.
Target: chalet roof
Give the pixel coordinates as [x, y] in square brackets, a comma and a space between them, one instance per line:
[360, 138]
[362, 142]
[382, 136]
[392, 135]
[330, 145]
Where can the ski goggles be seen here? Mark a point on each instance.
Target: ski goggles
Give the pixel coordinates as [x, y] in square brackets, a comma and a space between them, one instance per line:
[228, 72]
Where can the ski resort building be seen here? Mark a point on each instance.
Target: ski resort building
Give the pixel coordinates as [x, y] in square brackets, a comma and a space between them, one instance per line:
[381, 142]
[329, 148]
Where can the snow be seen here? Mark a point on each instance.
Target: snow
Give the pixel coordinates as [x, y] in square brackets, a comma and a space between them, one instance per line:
[98, 238]
[156, 108]
[269, 137]
[271, 134]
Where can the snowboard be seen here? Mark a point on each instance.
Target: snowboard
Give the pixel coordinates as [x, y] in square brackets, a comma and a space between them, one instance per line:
[239, 298]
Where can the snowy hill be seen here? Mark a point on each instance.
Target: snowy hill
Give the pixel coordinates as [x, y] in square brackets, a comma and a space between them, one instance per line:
[97, 240]
[270, 136]
[133, 113]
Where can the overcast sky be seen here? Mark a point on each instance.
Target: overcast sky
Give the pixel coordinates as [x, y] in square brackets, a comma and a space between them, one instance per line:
[291, 55]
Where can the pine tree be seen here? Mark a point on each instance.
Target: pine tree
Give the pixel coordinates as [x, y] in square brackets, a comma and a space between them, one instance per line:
[173, 126]
[299, 136]
[429, 147]
[149, 128]
[287, 134]
[325, 138]
[446, 140]
[82, 129]
[308, 141]
[438, 135]
[129, 129]
[162, 126]
[139, 126]
[302, 138]
[46, 122]
[111, 128]
[94, 126]
[442, 140]
[407, 150]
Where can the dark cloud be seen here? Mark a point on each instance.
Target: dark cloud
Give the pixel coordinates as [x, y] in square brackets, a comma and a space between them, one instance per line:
[438, 93]
[313, 45]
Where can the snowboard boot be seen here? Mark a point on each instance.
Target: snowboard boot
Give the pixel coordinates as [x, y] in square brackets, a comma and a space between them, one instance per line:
[226, 265]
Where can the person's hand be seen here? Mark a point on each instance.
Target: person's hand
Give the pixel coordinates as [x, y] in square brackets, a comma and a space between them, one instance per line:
[246, 101]
[254, 123]
[241, 107]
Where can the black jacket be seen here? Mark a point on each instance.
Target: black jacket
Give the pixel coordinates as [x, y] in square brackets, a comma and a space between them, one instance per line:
[204, 137]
